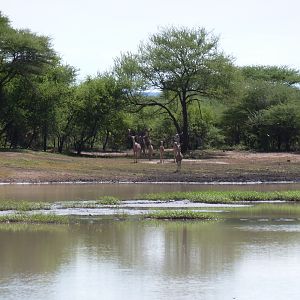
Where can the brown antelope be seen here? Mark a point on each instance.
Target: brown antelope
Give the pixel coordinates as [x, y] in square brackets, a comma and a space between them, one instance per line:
[141, 141]
[146, 139]
[136, 147]
[161, 152]
[176, 142]
[178, 156]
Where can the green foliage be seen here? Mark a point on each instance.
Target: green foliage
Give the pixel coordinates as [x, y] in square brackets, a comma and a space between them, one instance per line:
[181, 215]
[42, 106]
[183, 64]
[272, 74]
[31, 82]
[225, 197]
[204, 119]
[22, 205]
[30, 115]
[97, 104]
[265, 210]
[254, 120]
[108, 200]
[23, 53]
[35, 218]
[277, 127]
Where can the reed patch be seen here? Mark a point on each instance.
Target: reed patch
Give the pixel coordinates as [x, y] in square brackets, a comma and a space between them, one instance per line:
[35, 218]
[181, 215]
[226, 197]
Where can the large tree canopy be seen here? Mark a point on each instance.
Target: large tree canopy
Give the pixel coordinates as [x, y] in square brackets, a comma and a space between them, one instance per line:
[98, 101]
[272, 74]
[184, 65]
[22, 52]
[25, 59]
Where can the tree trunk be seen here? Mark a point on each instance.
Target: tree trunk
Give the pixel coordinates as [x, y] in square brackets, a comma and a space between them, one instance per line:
[45, 137]
[45, 142]
[106, 140]
[278, 143]
[185, 127]
[79, 147]
[61, 142]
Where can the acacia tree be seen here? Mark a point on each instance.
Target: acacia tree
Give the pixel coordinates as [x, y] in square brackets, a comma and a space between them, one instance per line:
[52, 93]
[24, 56]
[98, 100]
[184, 65]
[264, 89]
[22, 52]
[272, 74]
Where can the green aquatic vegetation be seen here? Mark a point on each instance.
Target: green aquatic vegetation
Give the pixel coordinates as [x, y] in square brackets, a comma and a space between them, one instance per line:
[267, 210]
[224, 196]
[35, 218]
[77, 204]
[205, 197]
[181, 215]
[23, 205]
[108, 200]
[264, 196]
[32, 227]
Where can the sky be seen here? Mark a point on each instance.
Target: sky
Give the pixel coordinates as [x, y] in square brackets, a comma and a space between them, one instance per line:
[90, 34]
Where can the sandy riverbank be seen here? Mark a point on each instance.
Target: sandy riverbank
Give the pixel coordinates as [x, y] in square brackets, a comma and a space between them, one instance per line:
[209, 166]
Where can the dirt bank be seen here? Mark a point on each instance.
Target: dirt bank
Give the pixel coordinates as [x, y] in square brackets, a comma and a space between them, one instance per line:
[229, 166]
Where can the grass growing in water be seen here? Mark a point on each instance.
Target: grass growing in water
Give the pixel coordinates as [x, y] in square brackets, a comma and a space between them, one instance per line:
[78, 204]
[108, 200]
[225, 197]
[266, 210]
[22, 205]
[30, 205]
[36, 218]
[181, 215]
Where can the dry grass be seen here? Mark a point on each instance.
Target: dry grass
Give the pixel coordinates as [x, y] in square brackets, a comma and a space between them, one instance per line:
[29, 166]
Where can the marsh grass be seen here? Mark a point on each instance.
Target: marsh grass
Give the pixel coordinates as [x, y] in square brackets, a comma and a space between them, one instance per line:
[35, 218]
[78, 204]
[32, 227]
[181, 215]
[266, 210]
[30, 206]
[224, 197]
[108, 200]
[23, 205]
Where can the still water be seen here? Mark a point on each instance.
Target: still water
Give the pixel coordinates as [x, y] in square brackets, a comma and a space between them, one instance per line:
[112, 259]
[74, 192]
[150, 260]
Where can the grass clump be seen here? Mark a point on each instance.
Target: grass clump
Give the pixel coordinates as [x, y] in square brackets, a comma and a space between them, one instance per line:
[108, 200]
[78, 204]
[205, 197]
[225, 196]
[181, 215]
[35, 218]
[266, 210]
[22, 205]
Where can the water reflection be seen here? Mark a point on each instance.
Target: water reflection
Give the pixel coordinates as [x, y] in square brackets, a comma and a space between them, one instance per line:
[65, 192]
[149, 260]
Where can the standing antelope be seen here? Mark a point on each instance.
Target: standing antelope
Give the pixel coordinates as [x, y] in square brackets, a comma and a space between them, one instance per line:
[178, 156]
[147, 140]
[136, 147]
[176, 143]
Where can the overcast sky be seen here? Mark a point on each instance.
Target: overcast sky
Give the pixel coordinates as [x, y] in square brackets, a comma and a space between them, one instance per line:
[89, 34]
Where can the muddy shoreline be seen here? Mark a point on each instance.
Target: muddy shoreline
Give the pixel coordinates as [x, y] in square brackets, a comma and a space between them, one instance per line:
[164, 180]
